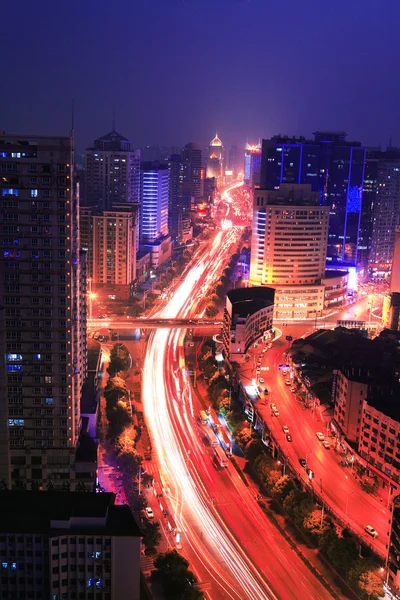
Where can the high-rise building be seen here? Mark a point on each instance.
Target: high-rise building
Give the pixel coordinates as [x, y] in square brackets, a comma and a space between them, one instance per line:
[385, 208]
[114, 251]
[68, 545]
[176, 207]
[288, 249]
[112, 172]
[43, 321]
[192, 157]
[215, 161]
[334, 168]
[154, 197]
[252, 164]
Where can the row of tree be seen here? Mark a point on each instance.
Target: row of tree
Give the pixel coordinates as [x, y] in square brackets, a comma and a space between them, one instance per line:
[173, 574]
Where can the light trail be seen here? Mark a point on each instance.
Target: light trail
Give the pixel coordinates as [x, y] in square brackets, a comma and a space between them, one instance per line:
[238, 578]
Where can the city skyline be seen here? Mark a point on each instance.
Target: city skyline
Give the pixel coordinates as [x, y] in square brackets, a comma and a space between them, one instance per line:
[336, 89]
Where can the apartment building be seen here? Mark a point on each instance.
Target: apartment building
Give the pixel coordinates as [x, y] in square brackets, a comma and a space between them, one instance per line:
[68, 546]
[43, 324]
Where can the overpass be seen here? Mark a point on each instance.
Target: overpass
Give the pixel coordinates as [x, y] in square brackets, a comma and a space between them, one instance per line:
[144, 323]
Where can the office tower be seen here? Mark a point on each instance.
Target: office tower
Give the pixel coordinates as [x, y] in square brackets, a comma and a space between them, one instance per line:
[68, 545]
[288, 249]
[154, 196]
[386, 208]
[215, 161]
[192, 157]
[368, 202]
[43, 324]
[112, 172]
[334, 168]
[234, 160]
[252, 164]
[177, 171]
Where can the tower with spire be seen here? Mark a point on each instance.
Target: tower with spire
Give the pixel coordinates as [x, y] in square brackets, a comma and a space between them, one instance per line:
[215, 162]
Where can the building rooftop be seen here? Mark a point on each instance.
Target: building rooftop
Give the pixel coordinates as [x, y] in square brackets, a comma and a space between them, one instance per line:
[57, 513]
[247, 301]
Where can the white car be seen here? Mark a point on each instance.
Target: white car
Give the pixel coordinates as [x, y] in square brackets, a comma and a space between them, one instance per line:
[261, 380]
[320, 436]
[326, 444]
[276, 413]
[269, 345]
[149, 512]
[265, 349]
[288, 382]
[293, 389]
[371, 531]
[273, 407]
[284, 372]
[285, 429]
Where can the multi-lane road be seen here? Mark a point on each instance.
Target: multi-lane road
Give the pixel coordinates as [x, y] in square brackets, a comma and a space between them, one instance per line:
[228, 540]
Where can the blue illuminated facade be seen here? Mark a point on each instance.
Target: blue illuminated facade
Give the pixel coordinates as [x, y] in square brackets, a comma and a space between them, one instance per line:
[334, 168]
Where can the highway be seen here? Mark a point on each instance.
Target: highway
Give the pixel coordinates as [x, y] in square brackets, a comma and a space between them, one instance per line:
[225, 535]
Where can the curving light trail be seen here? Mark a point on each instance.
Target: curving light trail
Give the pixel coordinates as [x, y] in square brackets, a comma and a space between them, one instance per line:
[166, 405]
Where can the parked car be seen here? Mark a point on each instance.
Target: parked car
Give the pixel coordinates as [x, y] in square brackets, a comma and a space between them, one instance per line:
[273, 406]
[269, 345]
[293, 389]
[100, 338]
[371, 531]
[285, 429]
[276, 413]
[326, 444]
[288, 382]
[265, 349]
[320, 436]
[284, 372]
[303, 462]
[289, 437]
[309, 472]
[261, 380]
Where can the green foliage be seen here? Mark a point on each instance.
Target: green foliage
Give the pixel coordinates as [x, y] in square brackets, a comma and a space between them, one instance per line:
[177, 582]
[371, 584]
[134, 310]
[129, 463]
[282, 486]
[298, 505]
[327, 539]
[315, 522]
[116, 412]
[151, 533]
[211, 310]
[370, 486]
[253, 449]
[243, 435]
[217, 386]
[342, 553]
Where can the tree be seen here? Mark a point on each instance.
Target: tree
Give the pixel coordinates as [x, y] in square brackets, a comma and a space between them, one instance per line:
[178, 583]
[211, 310]
[327, 539]
[343, 554]
[298, 505]
[272, 478]
[372, 585]
[315, 523]
[244, 435]
[151, 533]
[282, 487]
[134, 310]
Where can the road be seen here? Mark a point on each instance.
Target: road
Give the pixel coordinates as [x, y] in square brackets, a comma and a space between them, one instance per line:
[227, 540]
[338, 486]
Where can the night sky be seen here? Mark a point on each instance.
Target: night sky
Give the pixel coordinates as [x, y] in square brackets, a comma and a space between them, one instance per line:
[180, 70]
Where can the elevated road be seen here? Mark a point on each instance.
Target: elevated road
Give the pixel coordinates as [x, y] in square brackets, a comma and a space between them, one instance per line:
[155, 323]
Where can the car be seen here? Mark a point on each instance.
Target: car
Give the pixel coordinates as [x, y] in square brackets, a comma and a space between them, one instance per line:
[265, 349]
[258, 370]
[114, 336]
[191, 344]
[101, 317]
[310, 473]
[285, 429]
[289, 437]
[293, 389]
[288, 382]
[269, 345]
[303, 462]
[371, 531]
[273, 406]
[100, 338]
[320, 436]
[261, 380]
[149, 513]
[276, 413]
[326, 444]
[96, 336]
[265, 391]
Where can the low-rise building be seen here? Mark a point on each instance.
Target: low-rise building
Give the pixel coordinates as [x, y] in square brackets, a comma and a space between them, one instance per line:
[350, 391]
[68, 545]
[247, 316]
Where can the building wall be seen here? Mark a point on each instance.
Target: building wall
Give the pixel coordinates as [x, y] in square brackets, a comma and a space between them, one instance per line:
[380, 441]
[113, 248]
[335, 290]
[154, 203]
[349, 398]
[126, 572]
[42, 327]
[288, 242]
[298, 302]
